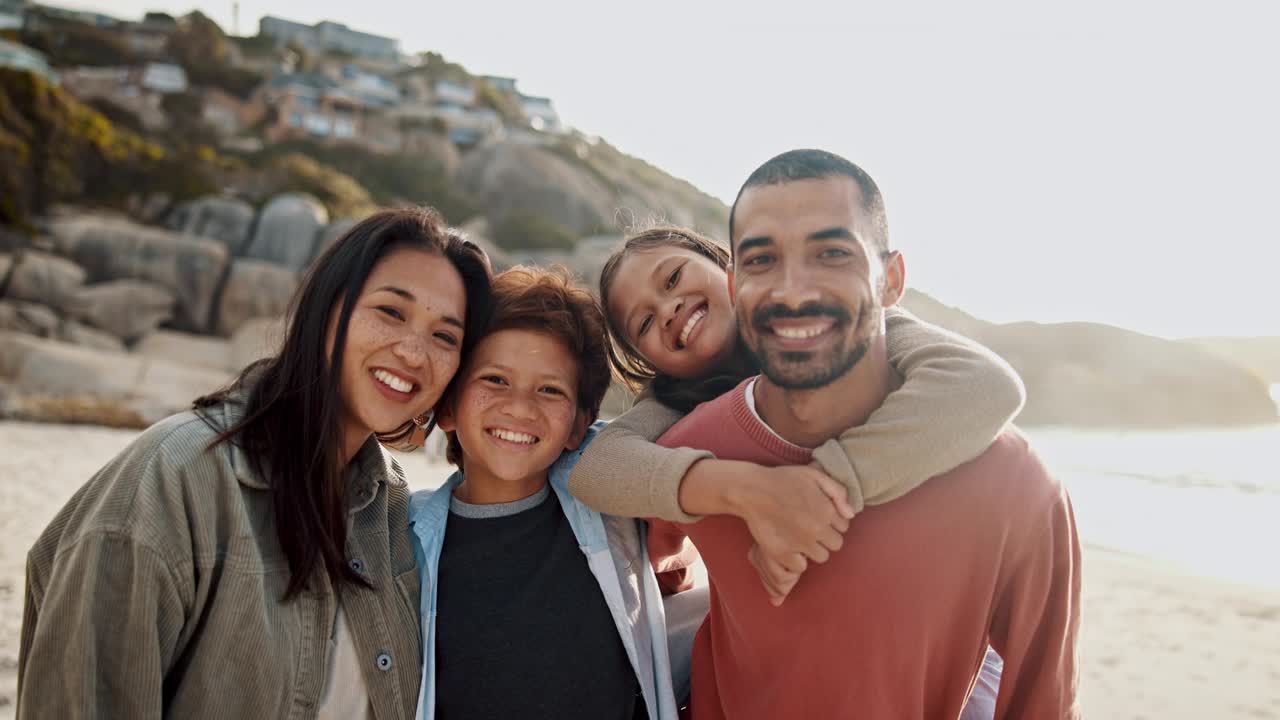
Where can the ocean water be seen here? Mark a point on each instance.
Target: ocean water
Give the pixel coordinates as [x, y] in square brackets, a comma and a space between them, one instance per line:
[1206, 502]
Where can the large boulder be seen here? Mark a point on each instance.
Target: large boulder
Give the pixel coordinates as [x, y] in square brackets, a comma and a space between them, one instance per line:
[510, 176]
[39, 277]
[257, 339]
[42, 321]
[112, 249]
[27, 317]
[128, 309]
[288, 230]
[254, 289]
[50, 380]
[226, 220]
[187, 350]
[77, 333]
[331, 232]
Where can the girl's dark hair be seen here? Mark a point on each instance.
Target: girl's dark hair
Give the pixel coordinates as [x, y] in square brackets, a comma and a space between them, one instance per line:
[291, 428]
[630, 367]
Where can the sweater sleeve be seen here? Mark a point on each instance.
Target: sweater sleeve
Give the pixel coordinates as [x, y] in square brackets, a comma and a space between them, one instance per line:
[1036, 620]
[956, 398]
[624, 473]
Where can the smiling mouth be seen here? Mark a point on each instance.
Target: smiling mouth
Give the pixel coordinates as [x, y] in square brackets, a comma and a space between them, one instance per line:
[394, 382]
[807, 329]
[512, 436]
[698, 316]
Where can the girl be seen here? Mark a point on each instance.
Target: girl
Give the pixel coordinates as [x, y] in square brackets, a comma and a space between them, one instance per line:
[252, 557]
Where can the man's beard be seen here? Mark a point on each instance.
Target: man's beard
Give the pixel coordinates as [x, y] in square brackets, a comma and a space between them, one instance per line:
[809, 370]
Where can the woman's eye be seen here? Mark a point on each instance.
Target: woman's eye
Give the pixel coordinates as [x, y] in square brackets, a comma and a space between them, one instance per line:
[758, 260]
[674, 277]
[834, 254]
[448, 338]
[552, 390]
[391, 312]
[644, 325]
[495, 379]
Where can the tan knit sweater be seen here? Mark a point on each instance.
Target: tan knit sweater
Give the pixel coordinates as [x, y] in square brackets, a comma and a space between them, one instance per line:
[955, 399]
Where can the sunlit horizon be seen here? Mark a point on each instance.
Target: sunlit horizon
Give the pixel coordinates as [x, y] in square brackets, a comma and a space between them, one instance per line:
[1092, 163]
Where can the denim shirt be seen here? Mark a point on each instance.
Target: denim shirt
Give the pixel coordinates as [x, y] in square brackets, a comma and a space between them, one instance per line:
[617, 557]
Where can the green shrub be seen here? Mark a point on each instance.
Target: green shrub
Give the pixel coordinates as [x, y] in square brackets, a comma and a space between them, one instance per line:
[295, 172]
[524, 229]
[397, 179]
[55, 149]
[122, 117]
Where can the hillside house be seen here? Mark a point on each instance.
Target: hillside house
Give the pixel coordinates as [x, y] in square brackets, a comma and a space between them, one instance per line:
[13, 14]
[163, 78]
[542, 115]
[309, 105]
[21, 57]
[330, 36]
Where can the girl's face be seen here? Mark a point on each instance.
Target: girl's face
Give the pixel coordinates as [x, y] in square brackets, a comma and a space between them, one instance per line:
[403, 342]
[672, 305]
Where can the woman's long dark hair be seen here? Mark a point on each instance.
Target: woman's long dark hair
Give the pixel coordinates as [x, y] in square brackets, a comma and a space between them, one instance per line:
[630, 367]
[291, 428]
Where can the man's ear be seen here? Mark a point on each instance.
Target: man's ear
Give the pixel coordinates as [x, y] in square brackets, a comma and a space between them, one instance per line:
[729, 272]
[580, 425]
[895, 279]
[445, 419]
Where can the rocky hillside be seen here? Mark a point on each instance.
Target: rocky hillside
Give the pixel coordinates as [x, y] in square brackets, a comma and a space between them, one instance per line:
[1259, 354]
[588, 187]
[1093, 375]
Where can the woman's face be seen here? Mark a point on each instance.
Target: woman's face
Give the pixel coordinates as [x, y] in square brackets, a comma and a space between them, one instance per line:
[672, 305]
[403, 342]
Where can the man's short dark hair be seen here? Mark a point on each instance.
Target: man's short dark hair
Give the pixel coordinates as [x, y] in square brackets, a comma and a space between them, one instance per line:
[796, 165]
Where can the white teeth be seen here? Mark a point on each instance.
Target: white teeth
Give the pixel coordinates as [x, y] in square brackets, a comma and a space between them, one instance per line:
[689, 324]
[393, 381]
[516, 437]
[799, 333]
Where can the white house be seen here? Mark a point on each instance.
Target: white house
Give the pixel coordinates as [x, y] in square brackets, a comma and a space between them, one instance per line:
[542, 116]
[164, 78]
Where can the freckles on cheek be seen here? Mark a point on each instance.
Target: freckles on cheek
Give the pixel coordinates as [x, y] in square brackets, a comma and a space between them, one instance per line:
[473, 402]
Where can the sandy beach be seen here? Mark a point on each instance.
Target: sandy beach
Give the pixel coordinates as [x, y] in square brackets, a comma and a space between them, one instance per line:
[1156, 643]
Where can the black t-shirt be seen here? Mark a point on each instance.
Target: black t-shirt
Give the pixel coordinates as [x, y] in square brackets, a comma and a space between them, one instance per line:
[522, 629]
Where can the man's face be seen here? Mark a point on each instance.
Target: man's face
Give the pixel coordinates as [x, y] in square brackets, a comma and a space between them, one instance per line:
[809, 281]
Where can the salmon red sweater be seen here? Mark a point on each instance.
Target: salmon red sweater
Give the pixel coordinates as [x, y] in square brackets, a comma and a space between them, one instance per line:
[896, 623]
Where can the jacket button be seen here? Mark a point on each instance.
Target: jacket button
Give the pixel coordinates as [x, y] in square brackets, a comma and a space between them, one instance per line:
[383, 661]
[357, 565]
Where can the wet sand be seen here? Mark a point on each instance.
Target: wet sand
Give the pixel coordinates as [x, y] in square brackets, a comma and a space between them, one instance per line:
[1156, 643]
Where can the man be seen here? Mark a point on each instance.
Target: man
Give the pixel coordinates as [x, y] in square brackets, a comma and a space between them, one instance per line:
[895, 624]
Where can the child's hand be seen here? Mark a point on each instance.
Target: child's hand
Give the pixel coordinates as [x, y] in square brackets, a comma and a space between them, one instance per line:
[777, 579]
[796, 515]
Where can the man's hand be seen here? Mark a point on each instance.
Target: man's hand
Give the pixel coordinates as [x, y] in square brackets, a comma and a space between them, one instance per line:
[796, 515]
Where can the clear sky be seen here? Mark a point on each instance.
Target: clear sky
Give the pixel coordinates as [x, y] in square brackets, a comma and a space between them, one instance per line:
[1107, 161]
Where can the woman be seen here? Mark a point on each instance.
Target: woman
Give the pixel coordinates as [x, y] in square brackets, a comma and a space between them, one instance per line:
[252, 558]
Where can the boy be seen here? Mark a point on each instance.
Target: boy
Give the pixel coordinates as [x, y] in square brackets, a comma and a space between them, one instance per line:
[533, 604]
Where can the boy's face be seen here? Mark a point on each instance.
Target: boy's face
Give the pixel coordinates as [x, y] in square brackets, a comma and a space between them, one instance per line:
[516, 407]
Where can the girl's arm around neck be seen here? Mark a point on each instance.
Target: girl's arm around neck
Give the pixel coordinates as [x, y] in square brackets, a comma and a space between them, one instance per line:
[956, 398]
[624, 472]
